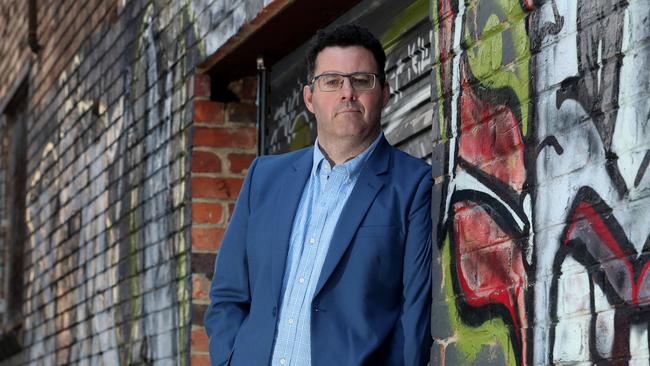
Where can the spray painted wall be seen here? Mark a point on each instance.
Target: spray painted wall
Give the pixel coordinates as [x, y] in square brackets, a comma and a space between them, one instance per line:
[105, 210]
[108, 278]
[543, 240]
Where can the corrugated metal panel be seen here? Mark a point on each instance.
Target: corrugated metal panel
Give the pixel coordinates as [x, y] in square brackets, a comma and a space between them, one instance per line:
[405, 32]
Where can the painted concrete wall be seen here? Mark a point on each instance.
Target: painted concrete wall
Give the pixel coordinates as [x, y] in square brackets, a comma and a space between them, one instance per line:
[543, 241]
[110, 115]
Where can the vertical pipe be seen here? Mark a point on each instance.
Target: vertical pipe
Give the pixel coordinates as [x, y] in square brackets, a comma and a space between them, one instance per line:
[32, 37]
[261, 105]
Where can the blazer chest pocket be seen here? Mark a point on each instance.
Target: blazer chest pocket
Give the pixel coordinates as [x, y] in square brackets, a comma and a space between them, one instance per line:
[377, 251]
[383, 240]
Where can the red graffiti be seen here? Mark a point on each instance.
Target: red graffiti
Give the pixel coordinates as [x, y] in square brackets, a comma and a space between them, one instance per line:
[490, 137]
[490, 265]
[615, 258]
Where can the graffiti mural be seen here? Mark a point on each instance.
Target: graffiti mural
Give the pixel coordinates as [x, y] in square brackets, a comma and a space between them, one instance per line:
[601, 238]
[108, 281]
[488, 205]
[543, 242]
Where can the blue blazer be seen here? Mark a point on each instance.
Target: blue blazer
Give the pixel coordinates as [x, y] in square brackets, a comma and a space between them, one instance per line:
[372, 303]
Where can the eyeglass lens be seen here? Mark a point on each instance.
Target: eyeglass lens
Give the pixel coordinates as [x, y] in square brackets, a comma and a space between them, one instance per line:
[331, 82]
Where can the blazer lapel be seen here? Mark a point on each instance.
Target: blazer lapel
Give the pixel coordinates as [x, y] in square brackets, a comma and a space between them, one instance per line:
[291, 187]
[369, 183]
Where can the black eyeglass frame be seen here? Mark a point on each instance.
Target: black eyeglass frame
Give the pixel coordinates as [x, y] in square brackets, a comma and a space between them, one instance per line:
[348, 76]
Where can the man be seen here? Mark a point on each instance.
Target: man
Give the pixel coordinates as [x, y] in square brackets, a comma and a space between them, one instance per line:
[327, 257]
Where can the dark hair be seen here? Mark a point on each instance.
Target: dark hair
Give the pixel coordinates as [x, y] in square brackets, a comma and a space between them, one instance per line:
[343, 36]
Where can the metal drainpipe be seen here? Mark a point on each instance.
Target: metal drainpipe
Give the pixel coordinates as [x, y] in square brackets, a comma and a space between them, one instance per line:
[32, 24]
[261, 105]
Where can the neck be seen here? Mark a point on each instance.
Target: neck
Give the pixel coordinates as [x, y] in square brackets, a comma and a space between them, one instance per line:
[338, 151]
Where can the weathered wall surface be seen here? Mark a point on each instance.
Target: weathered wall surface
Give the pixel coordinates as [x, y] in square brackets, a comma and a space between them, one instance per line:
[109, 144]
[543, 240]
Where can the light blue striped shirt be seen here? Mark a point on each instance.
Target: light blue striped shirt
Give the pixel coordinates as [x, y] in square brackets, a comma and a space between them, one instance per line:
[319, 209]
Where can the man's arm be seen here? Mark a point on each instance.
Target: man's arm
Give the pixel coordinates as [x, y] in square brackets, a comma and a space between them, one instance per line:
[230, 294]
[416, 306]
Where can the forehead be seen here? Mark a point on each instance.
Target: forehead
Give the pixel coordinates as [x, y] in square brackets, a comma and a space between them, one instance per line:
[345, 59]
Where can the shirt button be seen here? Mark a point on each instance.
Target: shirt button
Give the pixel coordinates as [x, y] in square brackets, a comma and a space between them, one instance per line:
[290, 321]
[312, 241]
[283, 361]
[301, 280]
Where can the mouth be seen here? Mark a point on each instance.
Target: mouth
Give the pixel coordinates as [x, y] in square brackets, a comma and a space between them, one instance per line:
[348, 110]
[348, 107]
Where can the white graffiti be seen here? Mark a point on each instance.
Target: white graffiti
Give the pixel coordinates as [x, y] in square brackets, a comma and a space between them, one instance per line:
[582, 161]
[160, 313]
[286, 116]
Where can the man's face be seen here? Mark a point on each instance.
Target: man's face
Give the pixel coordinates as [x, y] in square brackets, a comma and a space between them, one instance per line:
[346, 113]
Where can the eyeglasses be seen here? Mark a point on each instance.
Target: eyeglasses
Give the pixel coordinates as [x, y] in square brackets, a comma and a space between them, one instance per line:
[334, 82]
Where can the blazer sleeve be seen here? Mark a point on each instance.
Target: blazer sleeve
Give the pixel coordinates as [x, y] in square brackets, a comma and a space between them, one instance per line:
[416, 306]
[230, 293]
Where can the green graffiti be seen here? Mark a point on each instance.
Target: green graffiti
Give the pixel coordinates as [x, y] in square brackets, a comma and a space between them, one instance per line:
[469, 340]
[301, 133]
[194, 25]
[134, 287]
[184, 302]
[406, 19]
[486, 48]
[435, 44]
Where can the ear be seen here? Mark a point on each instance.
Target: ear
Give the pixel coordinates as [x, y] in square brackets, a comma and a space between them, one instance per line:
[386, 91]
[306, 96]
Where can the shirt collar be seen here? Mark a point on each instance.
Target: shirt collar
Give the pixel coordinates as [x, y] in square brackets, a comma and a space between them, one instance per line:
[352, 167]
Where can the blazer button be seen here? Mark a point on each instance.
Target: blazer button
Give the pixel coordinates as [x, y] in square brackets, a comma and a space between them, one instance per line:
[275, 311]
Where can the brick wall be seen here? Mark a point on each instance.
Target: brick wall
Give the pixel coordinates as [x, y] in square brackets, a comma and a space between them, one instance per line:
[113, 233]
[13, 48]
[541, 180]
[224, 141]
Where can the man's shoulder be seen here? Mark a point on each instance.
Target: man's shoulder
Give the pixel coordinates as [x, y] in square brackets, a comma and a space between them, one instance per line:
[404, 162]
[277, 162]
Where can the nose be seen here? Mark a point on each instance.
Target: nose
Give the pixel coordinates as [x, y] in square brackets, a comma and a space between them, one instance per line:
[347, 90]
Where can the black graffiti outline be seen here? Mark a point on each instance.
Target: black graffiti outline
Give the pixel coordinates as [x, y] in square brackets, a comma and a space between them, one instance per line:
[546, 29]
[509, 195]
[476, 316]
[591, 88]
[642, 168]
[624, 313]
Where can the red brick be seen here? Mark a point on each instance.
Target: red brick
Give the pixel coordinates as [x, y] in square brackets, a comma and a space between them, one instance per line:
[207, 212]
[208, 187]
[199, 340]
[205, 162]
[202, 85]
[207, 238]
[200, 287]
[200, 360]
[241, 112]
[245, 89]
[243, 137]
[240, 162]
[208, 112]
[249, 89]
